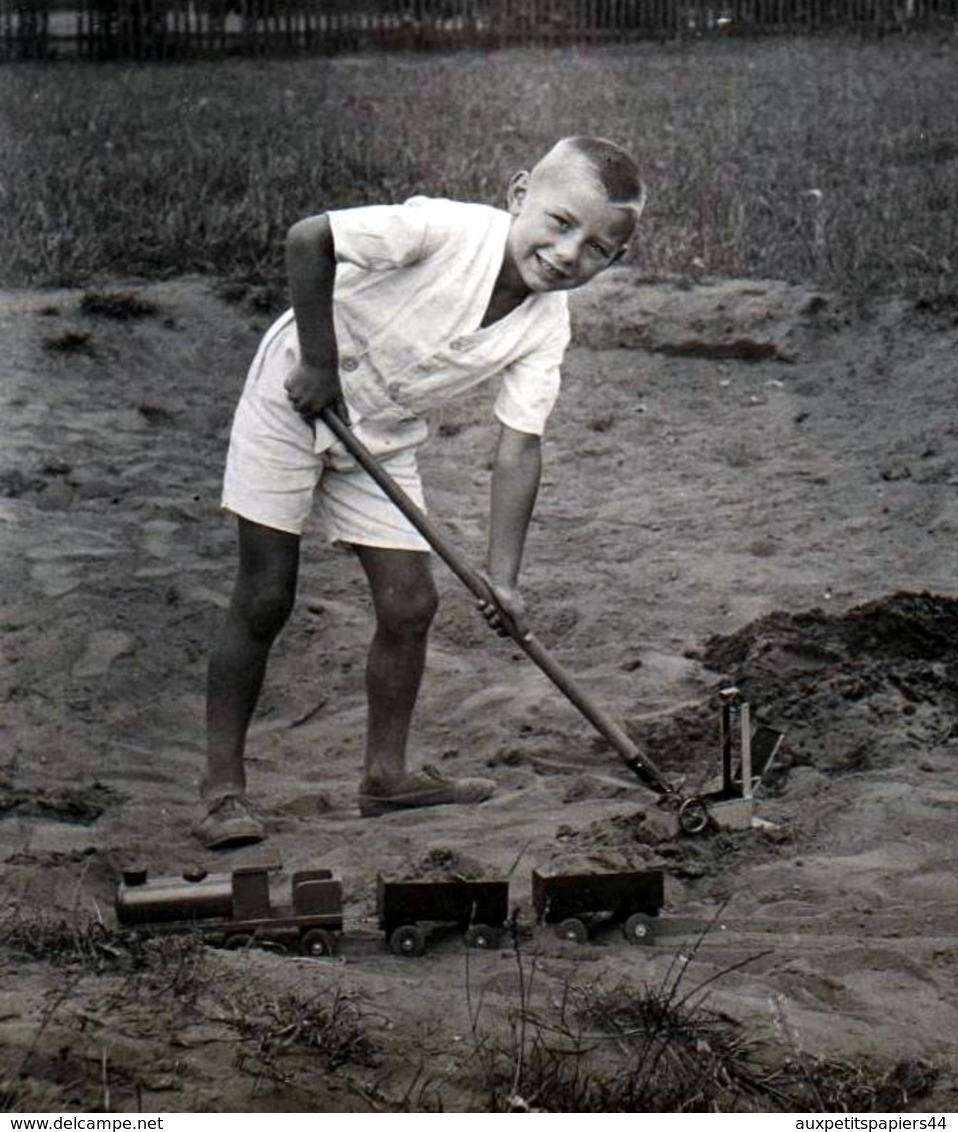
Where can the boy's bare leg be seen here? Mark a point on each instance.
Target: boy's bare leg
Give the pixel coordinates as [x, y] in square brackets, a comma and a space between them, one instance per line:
[262, 601]
[405, 600]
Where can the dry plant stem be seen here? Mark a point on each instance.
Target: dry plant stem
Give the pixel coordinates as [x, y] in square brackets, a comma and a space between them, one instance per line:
[105, 1082]
[797, 1052]
[525, 995]
[65, 992]
[666, 996]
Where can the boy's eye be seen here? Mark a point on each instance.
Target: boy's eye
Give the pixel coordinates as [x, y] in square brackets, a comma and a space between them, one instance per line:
[599, 250]
[561, 223]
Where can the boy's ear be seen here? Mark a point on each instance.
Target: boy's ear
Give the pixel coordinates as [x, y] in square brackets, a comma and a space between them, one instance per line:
[516, 193]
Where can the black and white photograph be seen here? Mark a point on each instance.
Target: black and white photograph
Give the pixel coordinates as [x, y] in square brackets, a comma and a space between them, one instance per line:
[479, 557]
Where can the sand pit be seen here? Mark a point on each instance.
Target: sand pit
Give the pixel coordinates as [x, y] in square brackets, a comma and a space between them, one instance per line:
[767, 502]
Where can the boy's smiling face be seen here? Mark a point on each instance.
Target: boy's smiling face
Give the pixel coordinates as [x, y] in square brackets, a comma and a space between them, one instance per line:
[564, 228]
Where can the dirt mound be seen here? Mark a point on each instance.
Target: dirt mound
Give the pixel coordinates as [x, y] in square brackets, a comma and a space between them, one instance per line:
[853, 690]
[438, 864]
[852, 687]
[902, 627]
[81, 805]
[698, 317]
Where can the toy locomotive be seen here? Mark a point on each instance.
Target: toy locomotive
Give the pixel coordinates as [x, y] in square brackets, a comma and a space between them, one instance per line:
[235, 909]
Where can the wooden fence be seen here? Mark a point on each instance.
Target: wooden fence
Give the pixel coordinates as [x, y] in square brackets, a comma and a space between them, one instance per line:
[178, 29]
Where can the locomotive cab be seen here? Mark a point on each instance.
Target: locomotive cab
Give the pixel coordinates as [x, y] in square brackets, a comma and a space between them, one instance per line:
[316, 893]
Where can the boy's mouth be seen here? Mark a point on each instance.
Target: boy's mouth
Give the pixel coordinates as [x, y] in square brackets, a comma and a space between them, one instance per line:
[548, 270]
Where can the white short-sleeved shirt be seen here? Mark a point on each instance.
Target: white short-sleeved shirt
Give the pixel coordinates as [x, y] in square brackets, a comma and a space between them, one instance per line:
[413, 282]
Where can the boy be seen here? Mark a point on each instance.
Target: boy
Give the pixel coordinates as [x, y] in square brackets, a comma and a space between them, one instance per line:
[395, 309]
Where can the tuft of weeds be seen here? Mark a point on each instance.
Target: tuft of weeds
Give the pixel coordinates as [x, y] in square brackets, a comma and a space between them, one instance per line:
[120, 305]
[149, 984]
[662, 1049]
[56, 941]
[172, 961]
[681, 1056]
[646, 1049]
[21, 1093]
[61, 942]
[842, 1086]
[273, 1030]
[174, 964]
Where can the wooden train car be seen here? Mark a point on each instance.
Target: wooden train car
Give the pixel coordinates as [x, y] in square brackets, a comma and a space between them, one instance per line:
[409, 910]
[235, 909]
[579, 903]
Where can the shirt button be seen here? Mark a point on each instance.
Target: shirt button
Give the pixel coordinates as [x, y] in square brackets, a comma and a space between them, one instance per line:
[458, 344]
[348, 364]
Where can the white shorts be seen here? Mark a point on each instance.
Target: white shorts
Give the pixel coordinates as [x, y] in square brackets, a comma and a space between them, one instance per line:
[274, 473]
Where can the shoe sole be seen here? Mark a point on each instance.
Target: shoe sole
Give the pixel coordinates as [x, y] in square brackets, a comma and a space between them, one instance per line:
[232, 840]
[376, 807]
[372, 807]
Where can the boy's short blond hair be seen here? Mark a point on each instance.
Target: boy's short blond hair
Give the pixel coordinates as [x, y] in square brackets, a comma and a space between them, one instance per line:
[615, 171]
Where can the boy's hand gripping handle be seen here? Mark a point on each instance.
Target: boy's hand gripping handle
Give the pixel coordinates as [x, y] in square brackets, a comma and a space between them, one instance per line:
[631, 755]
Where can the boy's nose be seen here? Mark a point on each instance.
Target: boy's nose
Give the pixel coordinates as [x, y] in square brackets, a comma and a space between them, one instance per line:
[566, 253]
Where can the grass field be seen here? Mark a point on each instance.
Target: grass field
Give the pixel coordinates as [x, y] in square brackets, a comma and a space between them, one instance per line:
[828, 161]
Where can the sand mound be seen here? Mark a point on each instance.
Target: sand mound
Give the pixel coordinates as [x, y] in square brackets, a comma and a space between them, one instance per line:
[857, 689]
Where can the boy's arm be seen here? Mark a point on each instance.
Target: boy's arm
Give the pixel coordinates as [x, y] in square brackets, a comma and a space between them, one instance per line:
[311, 271]
[515, 483]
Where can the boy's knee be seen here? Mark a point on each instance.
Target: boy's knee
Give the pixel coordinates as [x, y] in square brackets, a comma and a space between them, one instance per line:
[266, 608]
[408, 610]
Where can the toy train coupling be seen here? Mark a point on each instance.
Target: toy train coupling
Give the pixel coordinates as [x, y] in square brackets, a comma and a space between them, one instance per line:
[728, 802]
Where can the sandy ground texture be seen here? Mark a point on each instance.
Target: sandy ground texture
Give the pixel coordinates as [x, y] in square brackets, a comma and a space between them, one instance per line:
[746, 482]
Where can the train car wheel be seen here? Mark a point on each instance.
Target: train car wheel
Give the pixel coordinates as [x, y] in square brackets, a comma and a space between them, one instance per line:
[572, 929]
[409, 940]
[239, 942]
[482, 936]
[640, 928]
[317, 942]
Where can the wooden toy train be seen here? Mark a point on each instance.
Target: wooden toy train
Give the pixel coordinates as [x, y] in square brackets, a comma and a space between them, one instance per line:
[236, 910]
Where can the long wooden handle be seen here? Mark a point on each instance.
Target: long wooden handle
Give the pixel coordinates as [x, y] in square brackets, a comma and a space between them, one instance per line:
[629, 752]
